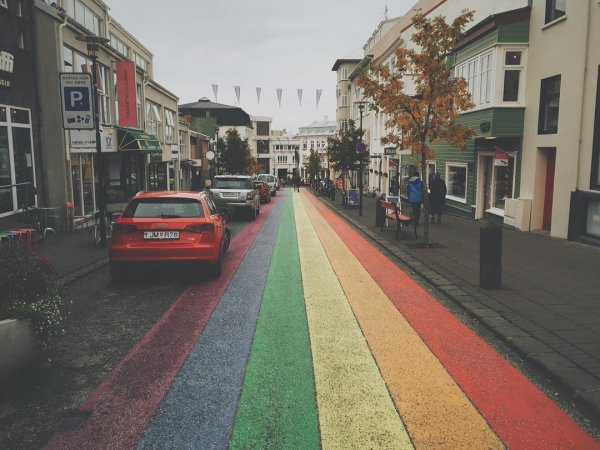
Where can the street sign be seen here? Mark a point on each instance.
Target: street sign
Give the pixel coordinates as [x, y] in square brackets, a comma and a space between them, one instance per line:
[390, 151]
[353, 197]
[361, 148]
[77, 101]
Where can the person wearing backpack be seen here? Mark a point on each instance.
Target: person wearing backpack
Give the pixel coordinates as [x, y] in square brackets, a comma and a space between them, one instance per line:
[415, 197]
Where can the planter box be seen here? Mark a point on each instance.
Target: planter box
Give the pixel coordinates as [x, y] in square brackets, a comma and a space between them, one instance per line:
[18, 346]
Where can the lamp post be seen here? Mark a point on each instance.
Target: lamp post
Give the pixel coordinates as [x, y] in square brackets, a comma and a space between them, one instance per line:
[93, 46]
[360, 149]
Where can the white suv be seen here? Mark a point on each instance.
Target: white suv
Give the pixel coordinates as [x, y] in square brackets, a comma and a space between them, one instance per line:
[271, 180]
[237, 191]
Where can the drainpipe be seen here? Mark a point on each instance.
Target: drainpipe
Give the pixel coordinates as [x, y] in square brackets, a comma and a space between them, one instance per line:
[582, 99]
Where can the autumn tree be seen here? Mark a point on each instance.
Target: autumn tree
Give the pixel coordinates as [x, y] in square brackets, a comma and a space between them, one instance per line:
[341, 149]
[429, 111]
[313, 166]
[234, 154]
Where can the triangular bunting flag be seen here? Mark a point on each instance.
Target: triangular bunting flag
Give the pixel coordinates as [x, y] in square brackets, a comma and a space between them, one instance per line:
[258, 94]
[279, 93]
[357, 94]
[300, 96]
[215, 90]
[237, 93]
[319, 92]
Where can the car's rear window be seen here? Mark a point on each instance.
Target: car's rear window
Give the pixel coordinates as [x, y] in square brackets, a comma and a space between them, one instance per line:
[230, 183]
[164, 208]
[271, 179]
[262, 177]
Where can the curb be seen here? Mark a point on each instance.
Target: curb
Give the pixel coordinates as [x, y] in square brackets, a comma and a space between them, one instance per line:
[70, 277]
[582, 387]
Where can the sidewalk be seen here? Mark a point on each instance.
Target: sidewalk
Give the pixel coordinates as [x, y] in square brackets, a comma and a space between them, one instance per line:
[72, 254]
[548, 308]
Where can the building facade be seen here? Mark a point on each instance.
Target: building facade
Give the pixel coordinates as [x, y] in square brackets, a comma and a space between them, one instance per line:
[314, 137]
[285, 149]
[260, 143]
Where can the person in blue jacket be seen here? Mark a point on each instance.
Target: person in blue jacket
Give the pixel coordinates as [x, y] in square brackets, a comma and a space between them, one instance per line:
[415, 197]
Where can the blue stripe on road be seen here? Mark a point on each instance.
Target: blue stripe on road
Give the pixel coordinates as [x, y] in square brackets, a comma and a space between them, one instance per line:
[199, 409]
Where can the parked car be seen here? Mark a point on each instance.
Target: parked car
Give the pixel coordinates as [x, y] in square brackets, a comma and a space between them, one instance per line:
[271, 181]
[263, 191]
[168, 226]
[237, 191]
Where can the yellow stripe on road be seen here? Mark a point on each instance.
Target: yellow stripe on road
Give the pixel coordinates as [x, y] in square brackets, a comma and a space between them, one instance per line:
[355, 409]
[436, 412]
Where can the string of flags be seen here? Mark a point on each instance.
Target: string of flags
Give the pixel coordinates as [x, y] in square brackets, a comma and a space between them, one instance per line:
[278, 91]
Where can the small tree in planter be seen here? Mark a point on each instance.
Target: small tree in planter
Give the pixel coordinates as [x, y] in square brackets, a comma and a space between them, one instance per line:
[30, 293]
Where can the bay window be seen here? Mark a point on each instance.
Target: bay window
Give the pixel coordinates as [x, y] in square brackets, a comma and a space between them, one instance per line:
[478, 72]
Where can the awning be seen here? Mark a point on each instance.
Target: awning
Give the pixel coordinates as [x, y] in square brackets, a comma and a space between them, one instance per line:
[130, 139]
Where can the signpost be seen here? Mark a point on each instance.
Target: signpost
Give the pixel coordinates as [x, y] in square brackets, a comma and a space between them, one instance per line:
[77, 101]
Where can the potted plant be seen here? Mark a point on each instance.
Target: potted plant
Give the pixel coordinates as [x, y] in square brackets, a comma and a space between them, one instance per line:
[31, 308]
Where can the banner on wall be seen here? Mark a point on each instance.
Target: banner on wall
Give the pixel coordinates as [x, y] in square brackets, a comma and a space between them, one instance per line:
[126, 93]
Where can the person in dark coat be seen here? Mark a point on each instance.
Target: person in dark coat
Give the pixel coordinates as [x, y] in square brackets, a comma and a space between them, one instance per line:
[297, 183]
[437, 198]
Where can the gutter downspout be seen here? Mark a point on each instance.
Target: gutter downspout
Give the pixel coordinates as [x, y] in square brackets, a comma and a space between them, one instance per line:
[581, 112]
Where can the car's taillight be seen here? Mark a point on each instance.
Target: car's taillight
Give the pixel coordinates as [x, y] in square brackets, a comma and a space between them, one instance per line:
[119, 228]
[200, 228]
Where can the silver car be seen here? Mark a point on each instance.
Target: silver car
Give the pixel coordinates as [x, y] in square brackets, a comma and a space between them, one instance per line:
[271, 180]
[238, 192]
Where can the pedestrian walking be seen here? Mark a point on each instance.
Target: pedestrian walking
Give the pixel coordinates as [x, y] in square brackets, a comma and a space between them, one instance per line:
[395, 186]
[415, 198]
[297, 183]
[437, 198]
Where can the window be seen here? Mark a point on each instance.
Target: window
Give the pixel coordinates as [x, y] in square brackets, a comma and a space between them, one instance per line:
[549, 101]
[456, 182]
[153, 119]
[67, 59]
[84, 15]
[512, 75]
[262, 128]
[503, 183]
[182, 144]
[20, 8]
[555, 9]
[170, 126]
[478, 72]
[282, 159]
[21, 38]
[262, 146]
[344, 72]
[119, 46]
[102, 83]
[344, 98]
[16, 160]
[142, 63]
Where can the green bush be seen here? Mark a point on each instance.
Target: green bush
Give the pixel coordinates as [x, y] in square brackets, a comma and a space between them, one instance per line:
[28, 291]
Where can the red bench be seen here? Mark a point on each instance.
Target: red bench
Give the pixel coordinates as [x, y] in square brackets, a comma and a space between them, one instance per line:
[392, 212]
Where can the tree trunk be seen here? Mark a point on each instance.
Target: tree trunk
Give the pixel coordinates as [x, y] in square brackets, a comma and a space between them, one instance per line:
[425, 199]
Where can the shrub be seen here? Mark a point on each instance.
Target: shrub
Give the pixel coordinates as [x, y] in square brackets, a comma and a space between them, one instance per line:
[28, 291]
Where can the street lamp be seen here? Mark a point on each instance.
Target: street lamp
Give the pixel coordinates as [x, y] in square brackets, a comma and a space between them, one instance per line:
[360, 149]
[93, 46]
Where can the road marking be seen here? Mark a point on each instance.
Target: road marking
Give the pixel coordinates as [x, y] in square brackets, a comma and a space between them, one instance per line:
[277, 408]
[520, 414]
[355, 409]
[436, 412]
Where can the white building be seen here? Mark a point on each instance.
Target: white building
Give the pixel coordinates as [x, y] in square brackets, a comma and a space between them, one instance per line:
[285, 151]
[314, 137]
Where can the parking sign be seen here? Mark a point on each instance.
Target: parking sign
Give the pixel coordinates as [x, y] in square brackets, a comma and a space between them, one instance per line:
[77, 101]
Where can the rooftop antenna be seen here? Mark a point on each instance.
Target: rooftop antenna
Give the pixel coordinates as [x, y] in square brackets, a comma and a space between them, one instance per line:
[385, 13]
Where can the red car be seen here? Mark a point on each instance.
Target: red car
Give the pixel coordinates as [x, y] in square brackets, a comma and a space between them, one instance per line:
[168, 226]
[264, 191]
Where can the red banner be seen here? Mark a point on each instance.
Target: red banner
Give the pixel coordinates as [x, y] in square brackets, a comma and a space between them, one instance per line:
[126, 93]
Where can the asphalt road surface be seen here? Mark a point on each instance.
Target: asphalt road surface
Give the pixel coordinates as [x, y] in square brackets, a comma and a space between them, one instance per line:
[311, 338]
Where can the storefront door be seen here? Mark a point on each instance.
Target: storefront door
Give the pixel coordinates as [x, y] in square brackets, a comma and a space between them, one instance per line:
[549, 188]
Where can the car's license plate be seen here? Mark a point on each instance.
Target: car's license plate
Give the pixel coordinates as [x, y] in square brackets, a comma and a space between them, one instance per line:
[229, 194]
[161, 234]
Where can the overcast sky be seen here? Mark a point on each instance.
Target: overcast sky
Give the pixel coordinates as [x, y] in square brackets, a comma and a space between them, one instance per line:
[288, 44]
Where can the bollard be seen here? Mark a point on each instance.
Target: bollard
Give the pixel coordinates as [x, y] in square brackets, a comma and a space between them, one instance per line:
[490, 256]
[379, 212]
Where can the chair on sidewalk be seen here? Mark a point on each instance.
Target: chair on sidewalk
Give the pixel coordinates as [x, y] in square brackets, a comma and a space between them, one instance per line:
[73, 221]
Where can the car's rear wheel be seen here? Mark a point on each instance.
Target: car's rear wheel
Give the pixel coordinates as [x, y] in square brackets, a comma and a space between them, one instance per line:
[216, 267]
[252, 212]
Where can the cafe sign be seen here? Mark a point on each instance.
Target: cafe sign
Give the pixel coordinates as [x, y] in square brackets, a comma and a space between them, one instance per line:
[7, 64]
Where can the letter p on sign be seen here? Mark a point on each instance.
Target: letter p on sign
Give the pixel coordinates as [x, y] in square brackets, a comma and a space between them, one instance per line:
[77, 99]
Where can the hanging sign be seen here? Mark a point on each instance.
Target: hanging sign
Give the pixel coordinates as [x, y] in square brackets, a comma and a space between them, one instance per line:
[501, 158]
[127, 94]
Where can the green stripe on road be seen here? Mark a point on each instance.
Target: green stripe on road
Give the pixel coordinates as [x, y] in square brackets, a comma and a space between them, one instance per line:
[277, 408]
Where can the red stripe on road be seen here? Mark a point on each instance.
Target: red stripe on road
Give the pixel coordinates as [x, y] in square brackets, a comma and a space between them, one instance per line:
[122, 406]
[521, 415]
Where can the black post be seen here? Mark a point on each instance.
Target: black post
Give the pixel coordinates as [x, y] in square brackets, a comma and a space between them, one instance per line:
[360, 166]
[93, 47]
[490, 256]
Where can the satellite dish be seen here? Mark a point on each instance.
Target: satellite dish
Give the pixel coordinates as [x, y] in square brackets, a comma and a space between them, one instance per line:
[210, 155]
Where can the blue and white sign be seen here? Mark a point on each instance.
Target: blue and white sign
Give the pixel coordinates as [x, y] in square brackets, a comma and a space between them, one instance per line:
[77, 101]
[353, 197]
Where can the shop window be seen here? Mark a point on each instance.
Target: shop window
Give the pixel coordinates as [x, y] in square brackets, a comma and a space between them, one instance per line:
[503, 183]
[406, 172]
[555, 9]
[549, 103]
[592, 225]
[456, 182]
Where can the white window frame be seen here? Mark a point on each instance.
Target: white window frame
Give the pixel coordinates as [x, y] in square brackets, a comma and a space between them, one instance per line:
[466, 167]
[522, 75]
[169, 126]
[183, 144]
[480, 77]
[344, 100]
[153, 119]
[344, 72]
